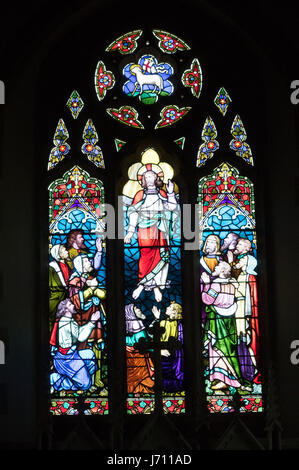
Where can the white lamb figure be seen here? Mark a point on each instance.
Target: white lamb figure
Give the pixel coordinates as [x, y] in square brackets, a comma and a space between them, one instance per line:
[142, 79]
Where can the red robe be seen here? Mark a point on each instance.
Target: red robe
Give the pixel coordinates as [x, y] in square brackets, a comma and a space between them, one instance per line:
[140, 372]
[150, 240]
[254, 325]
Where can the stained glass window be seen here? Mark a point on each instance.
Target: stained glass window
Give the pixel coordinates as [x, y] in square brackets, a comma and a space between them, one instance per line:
[126, 115]
[230, 307]
[170, 115]
[222, 101]
[125, 44]
[94, 152]
[169, 43]
[61, 148]
[238, 143]
[192, 78]
[209, 145]
[103, 79]
[153, 290]
[75, 104]
[152, 251]
[77, 292]
[148, 79]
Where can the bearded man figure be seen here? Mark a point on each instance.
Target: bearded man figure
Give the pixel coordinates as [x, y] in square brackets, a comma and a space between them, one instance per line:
[76, 246]
[59, 273]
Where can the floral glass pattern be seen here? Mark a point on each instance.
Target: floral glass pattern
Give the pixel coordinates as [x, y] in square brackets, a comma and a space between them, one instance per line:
[192, 78]
[169, 43]
[61, 148]
[210, 145]
[103, 79]
[89, 148]
[222, 100]
[125, 44]
[238, 143]
[126, 115]
[170, 115]
[75, 104]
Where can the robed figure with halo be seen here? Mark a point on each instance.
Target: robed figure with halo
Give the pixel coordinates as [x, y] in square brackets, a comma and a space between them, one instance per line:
[152, 214]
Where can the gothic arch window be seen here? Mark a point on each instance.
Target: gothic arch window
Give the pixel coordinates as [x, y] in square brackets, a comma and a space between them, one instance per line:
[147, 86]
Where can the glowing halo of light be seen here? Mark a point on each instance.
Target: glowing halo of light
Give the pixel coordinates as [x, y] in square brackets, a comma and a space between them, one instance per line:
[131, 188]
[133, 170]
[150, 167]
[150, 161]
[150, 155]
[167, 170]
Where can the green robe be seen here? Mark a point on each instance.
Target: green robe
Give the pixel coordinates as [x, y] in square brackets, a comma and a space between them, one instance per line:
[222, 332]
[57, 293]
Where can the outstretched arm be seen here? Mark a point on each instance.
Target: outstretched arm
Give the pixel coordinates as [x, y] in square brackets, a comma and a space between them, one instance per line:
[133, 219]
[171, 203]
[98, 256]
[210, 293]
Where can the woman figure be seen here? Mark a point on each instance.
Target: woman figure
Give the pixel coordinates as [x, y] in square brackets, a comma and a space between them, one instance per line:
[140, 368]
[220, 329]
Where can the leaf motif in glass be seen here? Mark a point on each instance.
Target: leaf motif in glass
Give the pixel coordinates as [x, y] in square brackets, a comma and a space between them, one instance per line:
[103, 79]
[126, 115]
[169, 43]
[125, 44]
[238, 143]
[61, 148]
[170, 115]
[209, 145]
[222, 100]
[75, 104]
[148, 79]
[89, 148]
[192, 78]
